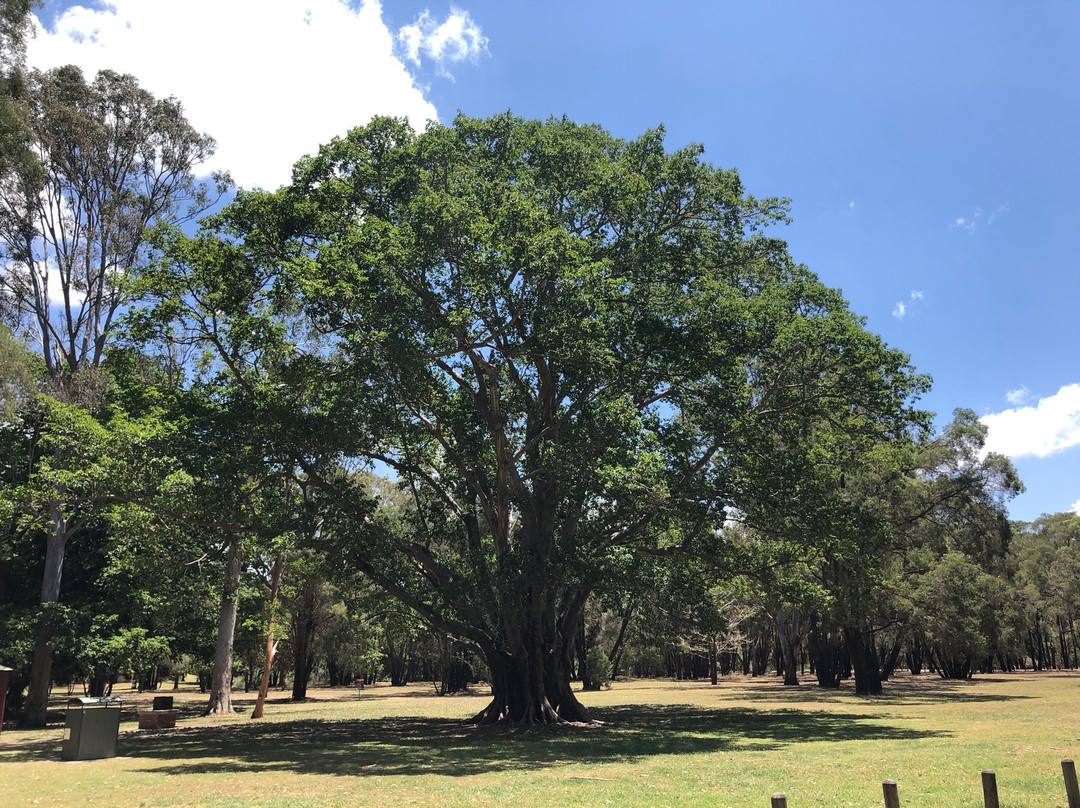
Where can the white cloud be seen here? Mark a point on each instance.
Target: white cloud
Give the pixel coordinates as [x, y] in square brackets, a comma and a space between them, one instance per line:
[1001, 211]
[1049, 427]
[1018, 396]
[270, 81]
[456, 39]
[967, 223]
[1076, 507]
[902, 307]
[970, 224]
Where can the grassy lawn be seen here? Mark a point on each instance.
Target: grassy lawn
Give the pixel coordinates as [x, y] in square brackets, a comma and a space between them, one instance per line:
[663, 743]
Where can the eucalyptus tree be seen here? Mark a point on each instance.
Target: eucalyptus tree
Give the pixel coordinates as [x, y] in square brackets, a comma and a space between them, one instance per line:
[19, 376]
[569, 349]
[910, 504]
[14, 26]
[1047, 589]
[960, 609]
[105, 161]
[110, 160]
[234, 478]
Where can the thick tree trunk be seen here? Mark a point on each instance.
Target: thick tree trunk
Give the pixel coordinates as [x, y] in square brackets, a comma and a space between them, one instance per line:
[307, 618]
[864, 662]
[303, 655]
[530, 684]
[531, 690]
[789, 634]
[271, 646]
[35, 708]
[221, 678]
[827, 648]
[397, 657]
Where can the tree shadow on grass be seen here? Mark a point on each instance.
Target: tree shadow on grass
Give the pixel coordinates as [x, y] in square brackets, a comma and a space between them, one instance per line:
[407, 746]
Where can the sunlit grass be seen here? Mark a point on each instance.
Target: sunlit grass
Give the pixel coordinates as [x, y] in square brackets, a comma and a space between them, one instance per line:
[662, 743]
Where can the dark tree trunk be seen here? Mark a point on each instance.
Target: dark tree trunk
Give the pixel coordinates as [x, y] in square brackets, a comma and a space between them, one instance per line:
[950, 667]
[728, 662]
[534, 689]
[333, 671]
[915, 656]
[1063, 644]
[397, 661]
[35, 708]
[616, 650]
[303, 660]
[530, 681]
[864, 662]
[455, 673]
[303, 647]
[760, 657]
[221, 679]
[588, 681]
[891, 659]
[789, 635]
[829, 656]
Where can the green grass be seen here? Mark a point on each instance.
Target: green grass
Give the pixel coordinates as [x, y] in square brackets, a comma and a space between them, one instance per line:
[663, 743]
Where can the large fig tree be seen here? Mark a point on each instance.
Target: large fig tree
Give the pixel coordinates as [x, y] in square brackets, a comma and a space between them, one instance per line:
[570, 349]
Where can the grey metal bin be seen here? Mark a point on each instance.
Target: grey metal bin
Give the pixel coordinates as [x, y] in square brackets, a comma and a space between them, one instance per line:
[91, 729]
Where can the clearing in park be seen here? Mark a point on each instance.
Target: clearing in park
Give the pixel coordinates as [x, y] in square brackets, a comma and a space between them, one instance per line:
[663, 743]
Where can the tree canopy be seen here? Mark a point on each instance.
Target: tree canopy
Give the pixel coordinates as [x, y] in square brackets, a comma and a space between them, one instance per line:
[503, 394]
[86, 167]
[570, 348]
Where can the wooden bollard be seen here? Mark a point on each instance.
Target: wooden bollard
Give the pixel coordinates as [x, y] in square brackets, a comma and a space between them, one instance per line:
[779, 801]
[1068, 768]
[892, 796]
[990, 795]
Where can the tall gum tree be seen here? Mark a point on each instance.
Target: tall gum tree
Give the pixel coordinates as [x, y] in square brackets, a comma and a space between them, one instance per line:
[569, 348]
[909, 505]
[101, 162]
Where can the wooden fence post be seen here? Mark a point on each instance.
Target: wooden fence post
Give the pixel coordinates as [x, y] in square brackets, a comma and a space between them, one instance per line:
[989, 784]
[1068, 768]
[892, 797]
[779, 801]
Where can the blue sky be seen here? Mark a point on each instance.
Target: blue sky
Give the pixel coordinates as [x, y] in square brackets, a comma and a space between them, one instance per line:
[928, 149]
